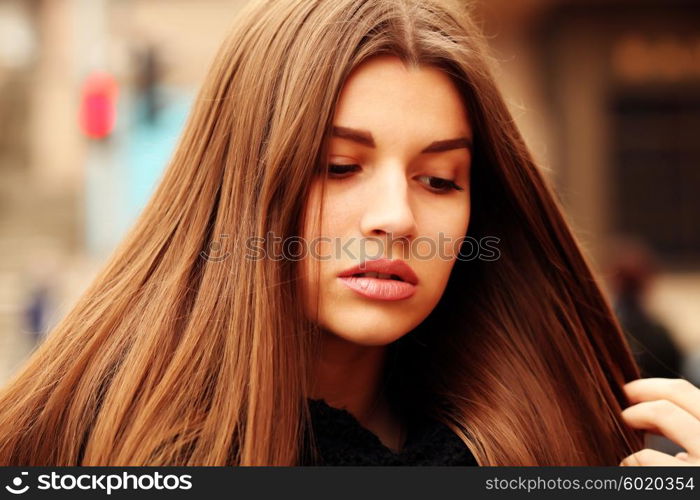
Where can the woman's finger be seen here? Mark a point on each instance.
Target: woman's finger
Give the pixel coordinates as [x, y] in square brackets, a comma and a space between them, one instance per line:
[647, 457]
[677, 390]
[666, 418]
[682, 455]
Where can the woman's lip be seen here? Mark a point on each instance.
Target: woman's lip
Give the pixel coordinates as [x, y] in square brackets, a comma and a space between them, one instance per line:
[379, 289]
[384, 266]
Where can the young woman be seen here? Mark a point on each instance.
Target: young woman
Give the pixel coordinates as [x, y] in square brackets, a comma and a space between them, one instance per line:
[440, 312]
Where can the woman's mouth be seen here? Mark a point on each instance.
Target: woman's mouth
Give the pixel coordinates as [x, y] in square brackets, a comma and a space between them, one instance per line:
[379, 286]
[381, 279]
[383, 276]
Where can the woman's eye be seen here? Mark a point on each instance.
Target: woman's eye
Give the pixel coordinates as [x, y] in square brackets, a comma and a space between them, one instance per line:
[340, 170]
[439, 184]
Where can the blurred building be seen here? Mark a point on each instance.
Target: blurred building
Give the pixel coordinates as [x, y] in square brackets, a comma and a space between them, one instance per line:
[607, 94]
[67, 197]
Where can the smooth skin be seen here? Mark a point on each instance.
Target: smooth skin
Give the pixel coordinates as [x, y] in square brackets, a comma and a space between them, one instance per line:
[382, 185]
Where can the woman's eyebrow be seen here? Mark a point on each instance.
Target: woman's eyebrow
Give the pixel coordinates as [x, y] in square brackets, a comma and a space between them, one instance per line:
[365, 138]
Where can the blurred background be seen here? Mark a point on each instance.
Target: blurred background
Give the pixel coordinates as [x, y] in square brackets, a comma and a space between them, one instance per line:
[94, 94]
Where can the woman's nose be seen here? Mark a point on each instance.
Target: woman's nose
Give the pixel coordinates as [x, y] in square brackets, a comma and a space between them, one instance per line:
[387, 208]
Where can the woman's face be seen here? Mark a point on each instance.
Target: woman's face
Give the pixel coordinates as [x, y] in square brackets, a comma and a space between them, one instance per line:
[398, 189]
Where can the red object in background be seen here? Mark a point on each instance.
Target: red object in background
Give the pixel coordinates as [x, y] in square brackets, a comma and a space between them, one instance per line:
[98, 107]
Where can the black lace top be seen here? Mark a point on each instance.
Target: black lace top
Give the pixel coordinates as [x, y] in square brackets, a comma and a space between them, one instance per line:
[341, 440]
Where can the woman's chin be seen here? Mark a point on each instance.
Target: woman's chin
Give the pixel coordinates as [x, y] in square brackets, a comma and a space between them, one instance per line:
[364, 331]
[370, 324]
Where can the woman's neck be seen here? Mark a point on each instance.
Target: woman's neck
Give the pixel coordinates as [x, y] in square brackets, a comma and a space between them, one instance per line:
[349, 376]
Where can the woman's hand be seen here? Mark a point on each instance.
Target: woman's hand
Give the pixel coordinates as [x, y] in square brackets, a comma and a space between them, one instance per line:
[669, 407]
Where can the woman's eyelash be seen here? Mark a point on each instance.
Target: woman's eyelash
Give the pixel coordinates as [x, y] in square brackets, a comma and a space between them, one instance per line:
[337, 169]
[443, 185]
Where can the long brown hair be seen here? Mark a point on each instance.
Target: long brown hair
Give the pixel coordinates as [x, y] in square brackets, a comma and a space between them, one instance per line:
[171, 358]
